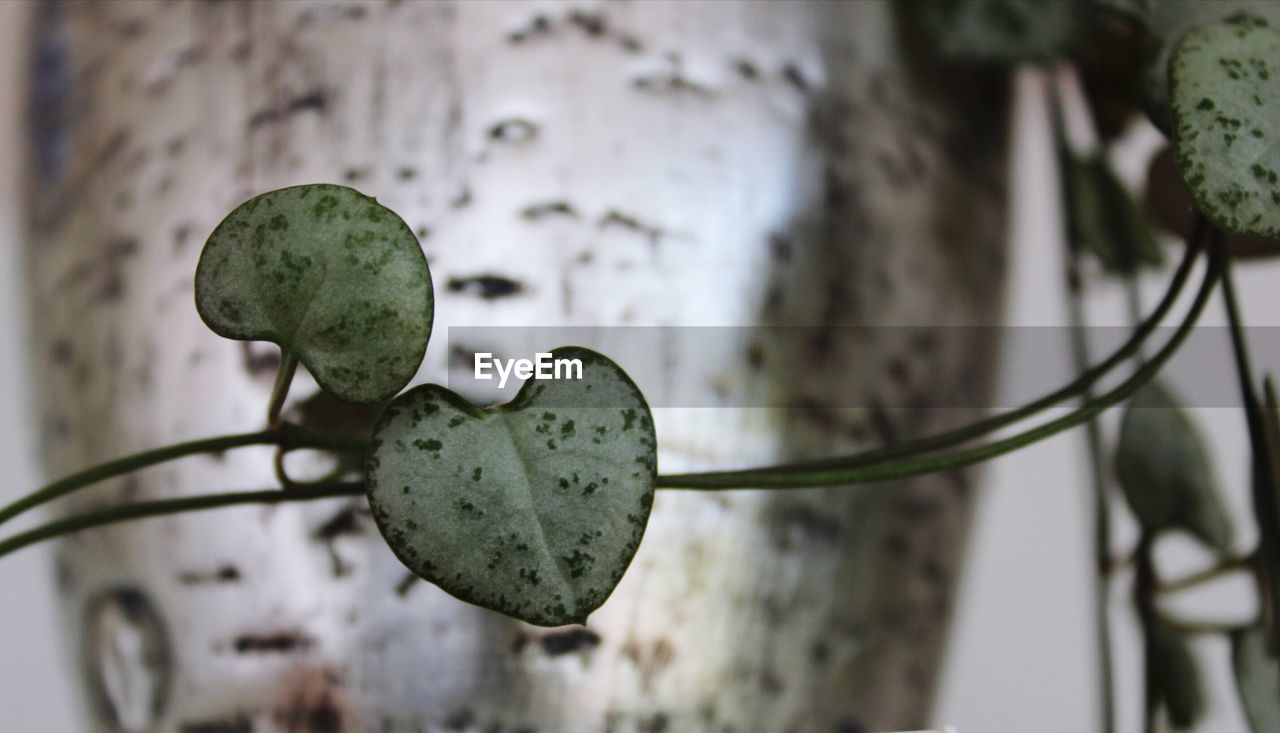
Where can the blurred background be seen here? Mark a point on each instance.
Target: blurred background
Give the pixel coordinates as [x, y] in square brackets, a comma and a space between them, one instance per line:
[1021, 654]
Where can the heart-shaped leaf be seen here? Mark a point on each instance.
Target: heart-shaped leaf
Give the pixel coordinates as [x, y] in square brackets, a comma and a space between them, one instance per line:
[1165, 472]
[1171, 204]
[333, 277]
[1257, 679]
[1001, 31]
[1177, 679]
[1225, 95]
[1105, 220]
[1167, 21]
[533, 508]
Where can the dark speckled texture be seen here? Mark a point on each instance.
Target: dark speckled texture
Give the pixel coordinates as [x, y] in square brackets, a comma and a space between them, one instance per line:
[331, 276]
[534, 508]
[1225, 92]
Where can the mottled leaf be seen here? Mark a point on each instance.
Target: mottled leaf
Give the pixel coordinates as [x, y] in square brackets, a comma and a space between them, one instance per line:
[1167, 21]
[1257, 679]
[1225, 93]
[1165, 470]
[1105, 220]
[328, 274]
[1174, 208]
[1177, 679]
[1001, 31]
[533, 508]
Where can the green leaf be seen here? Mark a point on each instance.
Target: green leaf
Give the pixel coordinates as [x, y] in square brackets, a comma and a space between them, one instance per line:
[1165, 472]
[1173, 208]
[1177, 679]
[1257, 679]
[1001, 31]
[1225, 92]
[1105, 219]
[533, 508]
[328, 274]
[1167, 21]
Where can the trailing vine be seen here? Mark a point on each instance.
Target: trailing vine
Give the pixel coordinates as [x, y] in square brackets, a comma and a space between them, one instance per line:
[535, 508]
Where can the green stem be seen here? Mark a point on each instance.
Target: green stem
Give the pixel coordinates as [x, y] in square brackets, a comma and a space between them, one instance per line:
[294, 436]
[1225, 567]
[1099, 483]
[1076, 387]
[1214, 628]
[805, 475]
[1144, 585]
[1134, 300]
[126, 512]
[280, 390]
[1264, 465]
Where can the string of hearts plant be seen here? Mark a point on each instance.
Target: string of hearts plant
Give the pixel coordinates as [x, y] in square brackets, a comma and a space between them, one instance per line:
[535, 508]
[1207, 74]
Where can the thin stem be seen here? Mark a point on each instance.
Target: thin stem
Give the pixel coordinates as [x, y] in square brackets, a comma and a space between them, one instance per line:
[1264, 465]
[1239, 344]
[1144, 583]
[1133, 294]
[1116, 563]
[128, 464]
[804, 475]
[126, 512]
[1184, 626]
[280, 390]
[294, 436]
[1099, 483]
[1225, 567]
[1074, 388]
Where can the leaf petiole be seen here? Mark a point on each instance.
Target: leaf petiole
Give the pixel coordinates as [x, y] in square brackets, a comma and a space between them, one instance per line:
[280, 390]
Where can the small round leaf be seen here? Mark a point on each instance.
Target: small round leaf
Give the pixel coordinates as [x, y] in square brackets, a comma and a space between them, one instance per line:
[332, 277]
[1225, 95]
[534, 508]
[1166, 22]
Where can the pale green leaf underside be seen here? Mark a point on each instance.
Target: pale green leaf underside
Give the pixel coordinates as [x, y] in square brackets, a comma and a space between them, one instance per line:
[1165, 471]
[534, 508]
[1257, 679]
[328, 274]
[1225, 93]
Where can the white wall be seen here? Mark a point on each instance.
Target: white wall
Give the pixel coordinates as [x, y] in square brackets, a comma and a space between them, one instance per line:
[1022, 653]
[35, 678]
